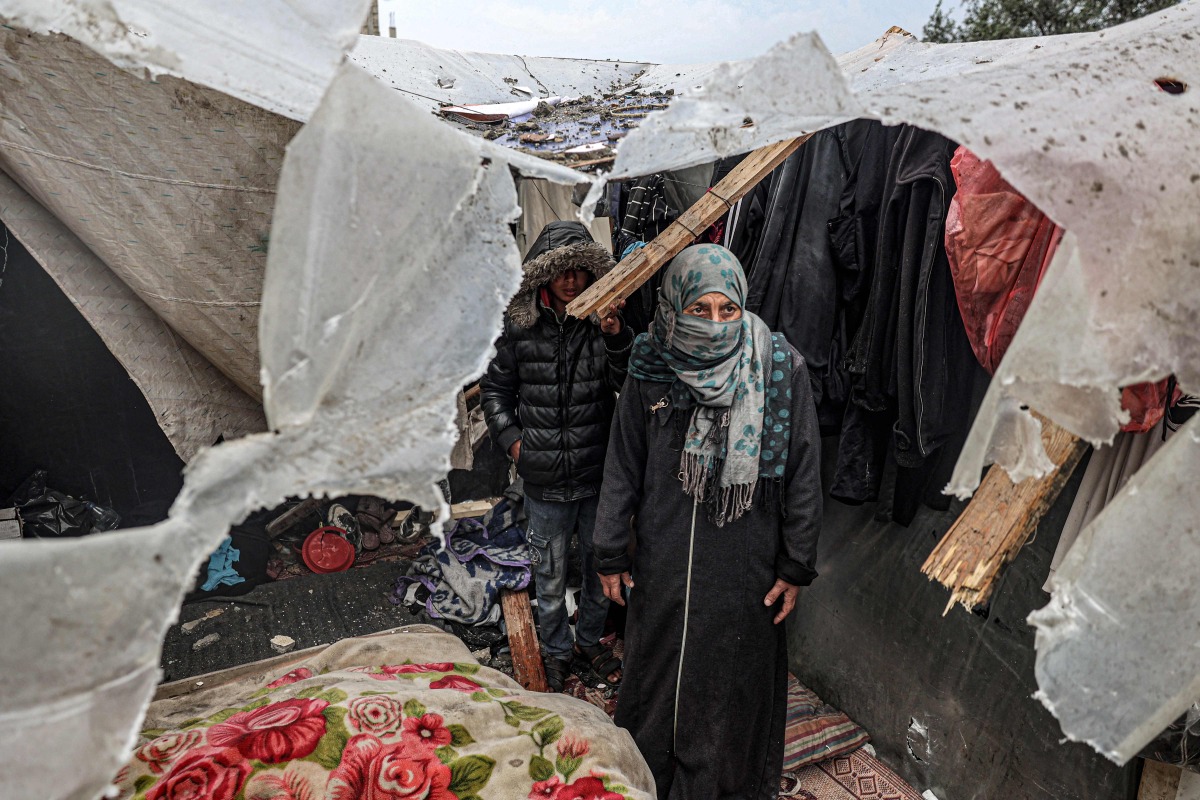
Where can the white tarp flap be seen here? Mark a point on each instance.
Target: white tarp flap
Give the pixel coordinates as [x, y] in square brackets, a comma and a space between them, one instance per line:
[1117, 657]
[170, 184]
[194, 403]
[795, 88]
[277, 54]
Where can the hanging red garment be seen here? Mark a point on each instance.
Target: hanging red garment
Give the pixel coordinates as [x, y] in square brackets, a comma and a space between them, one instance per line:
[999, 245]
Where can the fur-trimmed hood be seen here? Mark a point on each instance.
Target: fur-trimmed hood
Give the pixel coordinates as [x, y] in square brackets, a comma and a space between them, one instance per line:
[560, 246]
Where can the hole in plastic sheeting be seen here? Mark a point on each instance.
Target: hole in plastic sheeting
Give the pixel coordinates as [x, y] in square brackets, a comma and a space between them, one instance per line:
[1171, 85]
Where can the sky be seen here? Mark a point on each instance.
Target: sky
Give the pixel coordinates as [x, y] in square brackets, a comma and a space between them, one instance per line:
[658, 31]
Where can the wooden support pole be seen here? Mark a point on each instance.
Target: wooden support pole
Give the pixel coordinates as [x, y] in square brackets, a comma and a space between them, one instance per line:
[522, 640]
[631, 273]
[998, 522]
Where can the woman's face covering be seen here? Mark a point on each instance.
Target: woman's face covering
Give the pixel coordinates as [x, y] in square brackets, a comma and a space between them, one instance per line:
[715, 306]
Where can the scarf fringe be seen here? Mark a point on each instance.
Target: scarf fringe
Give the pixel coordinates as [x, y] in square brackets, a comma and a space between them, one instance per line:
[725, 504]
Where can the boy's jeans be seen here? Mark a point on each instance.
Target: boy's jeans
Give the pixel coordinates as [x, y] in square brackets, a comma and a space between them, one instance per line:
[550, 527]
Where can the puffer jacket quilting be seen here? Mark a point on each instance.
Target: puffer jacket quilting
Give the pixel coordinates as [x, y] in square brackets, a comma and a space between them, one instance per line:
[553, 383]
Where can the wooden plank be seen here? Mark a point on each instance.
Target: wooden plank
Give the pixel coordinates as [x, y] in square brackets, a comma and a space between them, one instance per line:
[292, 517]
[1159, 781]
[472, 508]
[522, 640]
[998, 522]
[631, 273]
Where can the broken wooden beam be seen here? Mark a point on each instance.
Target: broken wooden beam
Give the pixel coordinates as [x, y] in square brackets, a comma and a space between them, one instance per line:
[522, 640]
[631, 273]
[998, 522]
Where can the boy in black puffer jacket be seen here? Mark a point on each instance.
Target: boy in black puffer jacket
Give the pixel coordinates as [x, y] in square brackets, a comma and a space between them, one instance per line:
[548, 397]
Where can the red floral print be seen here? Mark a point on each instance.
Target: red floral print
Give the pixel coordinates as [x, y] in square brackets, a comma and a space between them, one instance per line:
[208, 773]
[376, 714]
[546, 790]
[158, 753]
[373, 770]
[298, 674]
[456, 682]
[416, 669]
[426, 730]
[590, 788]
[275, 733]
[572, 747]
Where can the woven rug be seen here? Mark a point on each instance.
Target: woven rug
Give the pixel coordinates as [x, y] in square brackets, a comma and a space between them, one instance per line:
[857, 776]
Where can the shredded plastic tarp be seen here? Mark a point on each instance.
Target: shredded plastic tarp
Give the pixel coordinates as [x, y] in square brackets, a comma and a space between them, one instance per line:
[350, 277]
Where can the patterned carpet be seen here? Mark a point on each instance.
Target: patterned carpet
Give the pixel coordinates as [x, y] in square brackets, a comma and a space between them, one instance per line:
[858, 776]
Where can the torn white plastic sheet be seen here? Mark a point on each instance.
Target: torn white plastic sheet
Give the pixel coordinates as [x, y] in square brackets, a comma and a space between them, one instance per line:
[795, 88]
[277, 54]
[390, 268]
[1117, 656]
[194, 403]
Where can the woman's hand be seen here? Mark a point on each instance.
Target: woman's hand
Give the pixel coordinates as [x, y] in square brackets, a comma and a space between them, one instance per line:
[612, 586]
[781, 589]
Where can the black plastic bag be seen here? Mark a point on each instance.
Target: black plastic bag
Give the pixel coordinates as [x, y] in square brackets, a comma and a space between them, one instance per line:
[54, 515]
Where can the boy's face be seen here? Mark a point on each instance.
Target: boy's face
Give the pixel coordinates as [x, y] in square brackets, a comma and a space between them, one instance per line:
[567, 286]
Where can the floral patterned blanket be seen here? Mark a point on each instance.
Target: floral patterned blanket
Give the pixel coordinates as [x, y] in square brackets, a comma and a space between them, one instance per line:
[407, 716]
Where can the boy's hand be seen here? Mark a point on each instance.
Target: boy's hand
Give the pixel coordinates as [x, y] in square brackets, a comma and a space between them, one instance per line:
[610, 321]
[514, 451]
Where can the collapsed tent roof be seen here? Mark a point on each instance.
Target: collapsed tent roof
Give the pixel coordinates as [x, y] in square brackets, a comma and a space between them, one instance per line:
[376, 227]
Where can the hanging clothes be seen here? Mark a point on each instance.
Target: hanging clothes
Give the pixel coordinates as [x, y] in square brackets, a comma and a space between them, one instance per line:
[645, 214]
[910, 360]
[793, 287]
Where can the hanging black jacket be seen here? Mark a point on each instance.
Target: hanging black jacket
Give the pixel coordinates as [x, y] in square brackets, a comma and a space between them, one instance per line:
[552, 384]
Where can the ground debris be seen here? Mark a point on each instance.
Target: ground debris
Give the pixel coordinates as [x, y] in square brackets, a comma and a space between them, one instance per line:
[212, 638]
[188, 627]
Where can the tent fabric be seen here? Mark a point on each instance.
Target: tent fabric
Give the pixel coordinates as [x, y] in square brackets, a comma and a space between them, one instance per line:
[171, 185]
[543, 202]
[195, 404]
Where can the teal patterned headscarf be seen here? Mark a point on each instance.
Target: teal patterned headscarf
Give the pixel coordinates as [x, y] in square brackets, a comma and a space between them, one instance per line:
[739, 373]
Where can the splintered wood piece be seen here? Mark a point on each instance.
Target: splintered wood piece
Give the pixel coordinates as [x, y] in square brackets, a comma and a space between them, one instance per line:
[523, 641]
[998, 522]
[631, 273]
[472, 508]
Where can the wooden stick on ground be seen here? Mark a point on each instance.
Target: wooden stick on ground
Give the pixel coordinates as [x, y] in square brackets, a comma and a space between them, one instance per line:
[522, 640]
[998, 521]
[631, 273]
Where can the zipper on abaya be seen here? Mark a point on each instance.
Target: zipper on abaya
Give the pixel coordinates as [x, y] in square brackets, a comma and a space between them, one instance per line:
[687, 602]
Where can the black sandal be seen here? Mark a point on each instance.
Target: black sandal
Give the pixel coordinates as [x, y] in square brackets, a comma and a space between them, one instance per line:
[557, 670]
[602, 661]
